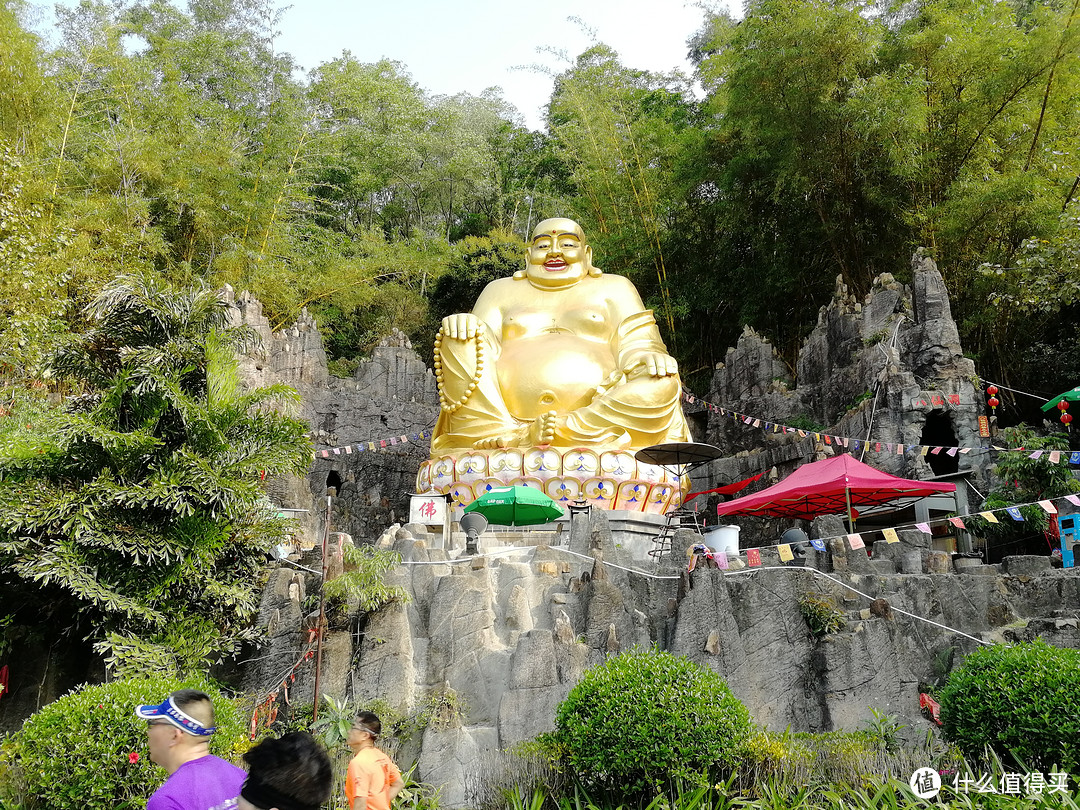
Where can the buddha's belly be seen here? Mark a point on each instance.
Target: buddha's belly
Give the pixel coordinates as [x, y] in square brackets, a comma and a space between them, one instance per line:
[551, 372]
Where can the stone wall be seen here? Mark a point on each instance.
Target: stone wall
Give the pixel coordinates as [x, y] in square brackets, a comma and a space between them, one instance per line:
[508, 634]
[390, 394]
[888, 369]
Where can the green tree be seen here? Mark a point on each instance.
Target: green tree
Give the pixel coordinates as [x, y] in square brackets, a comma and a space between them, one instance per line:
[618, 132]
[646, 720]
[134, 515]
[841, 138]
[1020, 479]
[1019, 701]
[27, 96]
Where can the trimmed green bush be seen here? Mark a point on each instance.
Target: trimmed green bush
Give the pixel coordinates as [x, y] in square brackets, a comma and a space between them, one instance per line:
[77, 752]
[1021, 701]
[645, 720]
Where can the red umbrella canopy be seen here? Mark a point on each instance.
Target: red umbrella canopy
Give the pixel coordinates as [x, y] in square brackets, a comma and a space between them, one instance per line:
[825, 487]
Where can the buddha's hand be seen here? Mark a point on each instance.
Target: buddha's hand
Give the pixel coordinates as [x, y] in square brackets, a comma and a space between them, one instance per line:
[461, 326]
[653, 364]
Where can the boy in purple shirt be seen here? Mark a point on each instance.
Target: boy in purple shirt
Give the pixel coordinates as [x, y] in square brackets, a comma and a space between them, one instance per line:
[179, 732]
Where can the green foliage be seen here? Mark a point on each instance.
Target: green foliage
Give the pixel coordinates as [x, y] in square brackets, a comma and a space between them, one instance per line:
[1020, 479]
[883, 729]
[75, 752]
[134, 514]
[335, 719]
[416, 795]
[363, 580]
[644, 719]
[821, 614]
[619, 132]
[477, 261]
[1022, 702]
[527, 769]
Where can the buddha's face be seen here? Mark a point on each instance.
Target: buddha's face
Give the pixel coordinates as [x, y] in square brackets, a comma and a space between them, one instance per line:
[558, 255]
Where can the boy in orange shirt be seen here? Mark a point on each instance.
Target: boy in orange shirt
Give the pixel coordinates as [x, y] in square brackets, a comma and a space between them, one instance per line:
[373, 780]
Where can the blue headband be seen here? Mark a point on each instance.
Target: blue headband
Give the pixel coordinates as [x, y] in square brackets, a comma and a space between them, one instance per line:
[169, 711]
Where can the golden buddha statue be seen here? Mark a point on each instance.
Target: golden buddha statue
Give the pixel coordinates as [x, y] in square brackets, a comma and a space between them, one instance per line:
[559, 355]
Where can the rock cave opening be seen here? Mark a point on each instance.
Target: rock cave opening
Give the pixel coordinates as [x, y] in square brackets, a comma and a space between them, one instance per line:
[938, 432]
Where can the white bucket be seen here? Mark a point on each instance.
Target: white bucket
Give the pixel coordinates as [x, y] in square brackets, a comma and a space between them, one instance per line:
[726, 539]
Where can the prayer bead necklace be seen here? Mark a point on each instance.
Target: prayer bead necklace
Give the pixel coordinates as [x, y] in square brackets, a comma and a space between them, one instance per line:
[447, 404]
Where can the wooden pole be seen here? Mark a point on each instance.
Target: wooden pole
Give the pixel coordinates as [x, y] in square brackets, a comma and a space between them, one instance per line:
[322, 609]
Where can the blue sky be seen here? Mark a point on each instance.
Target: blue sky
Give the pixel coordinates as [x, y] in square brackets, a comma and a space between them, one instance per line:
[470, 45]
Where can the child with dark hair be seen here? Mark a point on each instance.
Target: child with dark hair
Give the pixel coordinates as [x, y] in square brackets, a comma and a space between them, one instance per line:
[373, 780]
[290, 773]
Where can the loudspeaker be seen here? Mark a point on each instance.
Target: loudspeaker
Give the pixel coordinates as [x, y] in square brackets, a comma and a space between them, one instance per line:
[798, 540]
[474, 524]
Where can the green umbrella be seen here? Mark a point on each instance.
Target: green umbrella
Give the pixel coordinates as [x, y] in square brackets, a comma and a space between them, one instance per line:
[1070, 396]
[515, 506]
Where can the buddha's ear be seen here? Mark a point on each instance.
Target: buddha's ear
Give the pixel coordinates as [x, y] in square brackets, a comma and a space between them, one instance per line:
[593, 270]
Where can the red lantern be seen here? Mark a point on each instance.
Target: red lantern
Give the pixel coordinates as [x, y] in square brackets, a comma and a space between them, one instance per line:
[991, 390]
[1063, 405]
[993, 402]
[1066, 418]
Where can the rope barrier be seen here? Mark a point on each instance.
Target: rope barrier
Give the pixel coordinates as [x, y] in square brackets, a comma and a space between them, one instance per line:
[753, 570]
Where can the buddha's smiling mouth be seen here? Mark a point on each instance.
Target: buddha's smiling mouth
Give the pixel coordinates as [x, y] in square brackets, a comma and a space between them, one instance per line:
[555, 265]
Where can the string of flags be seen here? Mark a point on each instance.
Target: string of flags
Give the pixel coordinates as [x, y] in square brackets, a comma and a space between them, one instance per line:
[892, 448]
[890, 535]
[374, 445]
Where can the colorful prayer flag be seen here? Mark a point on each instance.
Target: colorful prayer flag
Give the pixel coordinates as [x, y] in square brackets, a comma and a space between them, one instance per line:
[890, 535]
[818, 544]
[989, 517]
[1014, 512]
[923, 527]
[1073, 499]
[855, 541]
[785, 552]
[753, 557]
[1055, 456]
[1036, 454]
[957, 522]
[326, 454]
[1048, 507]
